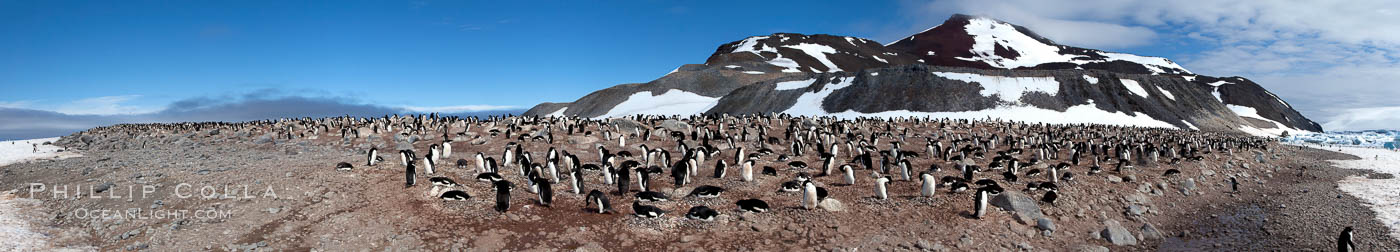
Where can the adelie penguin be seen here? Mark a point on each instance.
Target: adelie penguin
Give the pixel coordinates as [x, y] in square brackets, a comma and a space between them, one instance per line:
[646, 211]
[701, 213]
[1234, 185]
[1344, 243]
[344, 166]
[929, 185]
[980, 209]
[809, 195]
[408, 175]
[546, 191]
[373, 157]
[850, 174]
[752, 205]
[880, 192]
[650, 196]
[455, 195]
[1050, 196]
[599, 201]
[706, 191]
[502, 195]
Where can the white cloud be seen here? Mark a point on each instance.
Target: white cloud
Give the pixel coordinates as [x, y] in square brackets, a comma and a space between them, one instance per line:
[104, 105]
[1364, 118]
[457, 109]
[15, 104]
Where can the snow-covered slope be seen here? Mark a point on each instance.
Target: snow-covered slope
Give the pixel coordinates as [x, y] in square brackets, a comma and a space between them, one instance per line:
[988, 43]
[968, 67]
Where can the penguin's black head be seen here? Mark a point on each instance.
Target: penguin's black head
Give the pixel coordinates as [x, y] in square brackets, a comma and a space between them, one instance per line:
[1347, 230]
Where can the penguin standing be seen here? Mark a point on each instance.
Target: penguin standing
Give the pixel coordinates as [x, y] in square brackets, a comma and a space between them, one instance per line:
[1234, 185]
[880, 192]
[850, 174]
[502, 195]
[1344, 243]
[748, 170]
[809, 195]
[373, 156]
[623, 185]
[929, 185]
[720, 169]
[429, 165]
[981, 208]
[546, 192]
[480, 162]
[576, 179]
[408, 176]
[599, 201]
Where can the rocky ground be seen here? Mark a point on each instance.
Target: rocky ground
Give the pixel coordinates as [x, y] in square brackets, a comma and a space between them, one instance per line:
[270, 193]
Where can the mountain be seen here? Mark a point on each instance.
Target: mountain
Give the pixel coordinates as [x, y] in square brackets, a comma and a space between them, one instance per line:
[968, 67]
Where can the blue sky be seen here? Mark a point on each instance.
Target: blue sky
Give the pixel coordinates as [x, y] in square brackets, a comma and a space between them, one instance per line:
[140, 57]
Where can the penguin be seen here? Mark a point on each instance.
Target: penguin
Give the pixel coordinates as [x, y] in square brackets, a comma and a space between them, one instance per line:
[446, 148]
[650, 196]
[809, 195]
[958, 186]
[1049, 197]
[373, 157]
[646, 211]
[791, 186]
[576, 180]
[880, 192]
[643, 179]
[462, 163]
[1344, 242]
[1171, 172]
[706, 191]
[752, 205]
[480, 162]
[929, 185]
[502, 195]
[850, 174]
[407, 156]
[428, 164]
[747, 172]
[1069, 176]
[770, 171]
[623, 184]
[980, 209]
[344, 166]
[599, 201]
[489, 177]
[609, 173]
[546, 192]
[454, 195]
[443, 181]
[1234, 185]
[408, 175]
[1032, 173]
[1009, 176]
[701, 213]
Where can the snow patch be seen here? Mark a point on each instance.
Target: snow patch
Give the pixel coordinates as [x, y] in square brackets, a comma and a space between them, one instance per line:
[1091, 79]
[19, 151]
[731, 66]
[811, 103]
[790, 85]
[1079, 114]
[754, 72]
[1134, 87]
[987, 34]
[1167, 93]
[1009, 89]
[1189, 124]
[1250, 112]
[1189, 77]
[819, 52]
[788, 65]
[559, 112]
[874, 73]
[671, 102]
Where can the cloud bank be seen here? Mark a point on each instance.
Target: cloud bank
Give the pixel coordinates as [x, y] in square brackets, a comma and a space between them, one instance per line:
[26, 123]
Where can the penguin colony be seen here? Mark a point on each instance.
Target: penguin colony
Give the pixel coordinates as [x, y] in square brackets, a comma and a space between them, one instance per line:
[966, 162]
